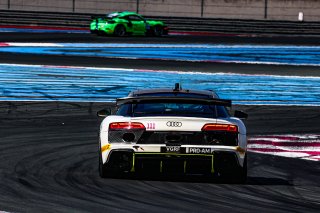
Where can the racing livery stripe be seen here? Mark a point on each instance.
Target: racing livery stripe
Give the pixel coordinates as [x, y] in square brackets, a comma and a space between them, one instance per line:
[295, 146]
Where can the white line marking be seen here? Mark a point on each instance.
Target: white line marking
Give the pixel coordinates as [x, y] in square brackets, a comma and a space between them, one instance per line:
[17, 44]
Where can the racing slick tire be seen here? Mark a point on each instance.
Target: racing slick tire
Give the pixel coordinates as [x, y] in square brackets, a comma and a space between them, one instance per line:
[120, 31]
[158, 31]
[102, 170]
[241, 175]
[234, 173]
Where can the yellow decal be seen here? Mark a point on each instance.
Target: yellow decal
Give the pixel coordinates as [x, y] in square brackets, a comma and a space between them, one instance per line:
[105, 147]
[240, 150]
[133, 163]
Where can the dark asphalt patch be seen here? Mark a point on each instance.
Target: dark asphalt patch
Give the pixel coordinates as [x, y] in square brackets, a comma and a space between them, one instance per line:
[48, 161]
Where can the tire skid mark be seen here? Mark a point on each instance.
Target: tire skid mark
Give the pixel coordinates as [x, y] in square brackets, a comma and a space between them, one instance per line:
[53, 168]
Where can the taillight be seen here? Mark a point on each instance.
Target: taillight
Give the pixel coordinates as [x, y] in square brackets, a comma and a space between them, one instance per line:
[126, 125]
[220, 127]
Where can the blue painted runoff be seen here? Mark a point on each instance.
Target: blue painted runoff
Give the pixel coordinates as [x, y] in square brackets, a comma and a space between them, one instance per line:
[48, 83]
[252, 54]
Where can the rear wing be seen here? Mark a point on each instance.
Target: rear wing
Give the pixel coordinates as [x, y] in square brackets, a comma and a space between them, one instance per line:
[155, 99]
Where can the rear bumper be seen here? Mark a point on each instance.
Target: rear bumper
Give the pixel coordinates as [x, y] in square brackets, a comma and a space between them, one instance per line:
[188, 160]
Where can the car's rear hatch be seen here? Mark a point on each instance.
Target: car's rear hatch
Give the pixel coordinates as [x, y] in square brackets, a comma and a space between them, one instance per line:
[177, 131]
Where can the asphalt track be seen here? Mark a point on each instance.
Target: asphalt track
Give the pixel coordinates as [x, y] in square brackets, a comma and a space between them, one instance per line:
[49, 158]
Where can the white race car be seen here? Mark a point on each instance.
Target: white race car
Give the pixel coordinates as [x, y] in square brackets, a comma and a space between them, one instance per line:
[173, 131]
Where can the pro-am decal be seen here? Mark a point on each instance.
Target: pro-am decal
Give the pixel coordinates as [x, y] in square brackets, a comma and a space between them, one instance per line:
[197, 150]
[187, 150]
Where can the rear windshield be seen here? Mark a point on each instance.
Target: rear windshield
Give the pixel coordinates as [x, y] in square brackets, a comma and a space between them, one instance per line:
[173, 109]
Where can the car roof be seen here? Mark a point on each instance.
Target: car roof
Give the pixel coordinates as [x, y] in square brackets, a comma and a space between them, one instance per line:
[123, 13]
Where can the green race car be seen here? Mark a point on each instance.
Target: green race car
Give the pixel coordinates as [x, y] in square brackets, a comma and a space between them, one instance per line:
[127, 23]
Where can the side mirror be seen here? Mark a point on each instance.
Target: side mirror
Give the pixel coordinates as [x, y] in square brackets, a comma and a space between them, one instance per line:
[240, 114]
[104, 113]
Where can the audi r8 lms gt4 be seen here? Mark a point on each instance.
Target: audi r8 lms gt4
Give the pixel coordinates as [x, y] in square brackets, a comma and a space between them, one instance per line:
[173, 131]
[127, 23]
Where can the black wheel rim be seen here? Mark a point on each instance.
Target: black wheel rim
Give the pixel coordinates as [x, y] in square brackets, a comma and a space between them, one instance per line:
[158, 31]
[120, 31]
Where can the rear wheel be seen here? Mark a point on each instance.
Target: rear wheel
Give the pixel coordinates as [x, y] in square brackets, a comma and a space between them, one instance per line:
[241, 175]
[158, 30]
[234, 173]
[120, 31]
[102, 170]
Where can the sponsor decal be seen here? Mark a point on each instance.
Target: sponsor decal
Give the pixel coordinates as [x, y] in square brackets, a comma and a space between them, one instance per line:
[196, 150]
[174, 124]
[173, 148]
[151, 126]
[138, 148]
[105, 147]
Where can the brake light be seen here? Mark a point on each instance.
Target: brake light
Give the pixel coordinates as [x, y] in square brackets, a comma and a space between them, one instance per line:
[220, 127]
[126, 125]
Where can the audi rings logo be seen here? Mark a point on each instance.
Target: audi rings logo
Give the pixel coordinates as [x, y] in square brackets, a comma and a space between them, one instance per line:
[174, 124]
